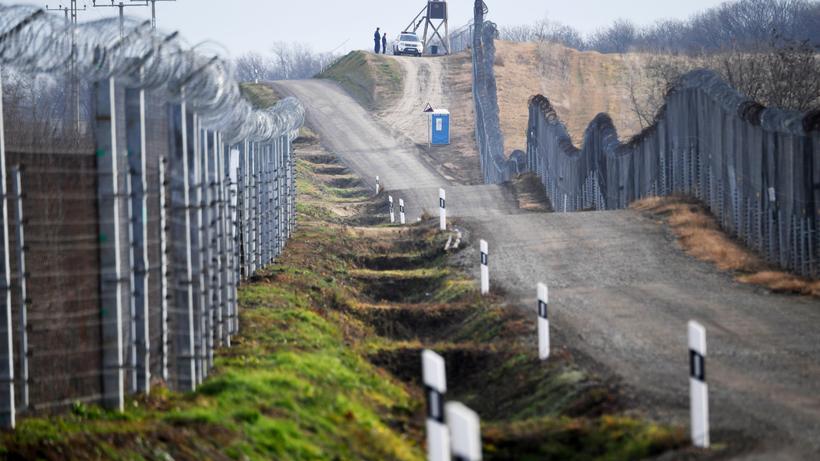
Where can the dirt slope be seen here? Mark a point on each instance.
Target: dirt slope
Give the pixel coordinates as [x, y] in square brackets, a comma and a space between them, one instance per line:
[580, 85]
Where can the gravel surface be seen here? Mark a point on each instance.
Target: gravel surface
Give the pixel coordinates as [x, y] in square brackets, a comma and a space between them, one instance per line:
[621, 293]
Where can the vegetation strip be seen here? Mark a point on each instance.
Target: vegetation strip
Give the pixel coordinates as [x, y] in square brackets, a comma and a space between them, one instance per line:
[328, 363]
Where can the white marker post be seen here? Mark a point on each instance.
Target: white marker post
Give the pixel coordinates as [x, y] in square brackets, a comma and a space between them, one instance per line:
[378, 186]
[392, 210]
[485, 268]
[435, 386]
[543, 322]
[698, 389]
[402, 216]
[442, 209]
[465, 432]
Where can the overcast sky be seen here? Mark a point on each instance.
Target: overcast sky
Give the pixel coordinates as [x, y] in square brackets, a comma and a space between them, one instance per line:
[253, 25]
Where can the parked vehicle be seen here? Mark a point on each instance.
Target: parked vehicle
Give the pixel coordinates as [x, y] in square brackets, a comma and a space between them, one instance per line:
[408, 43]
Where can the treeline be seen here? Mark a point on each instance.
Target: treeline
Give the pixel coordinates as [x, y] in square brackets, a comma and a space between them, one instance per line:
[39, 107]
[286, 61]
[742, 24]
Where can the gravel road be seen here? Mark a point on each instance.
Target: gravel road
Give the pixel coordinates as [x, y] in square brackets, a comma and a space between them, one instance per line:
[621, 292]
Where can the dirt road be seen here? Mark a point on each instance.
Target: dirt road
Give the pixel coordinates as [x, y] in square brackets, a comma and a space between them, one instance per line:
[620, 291]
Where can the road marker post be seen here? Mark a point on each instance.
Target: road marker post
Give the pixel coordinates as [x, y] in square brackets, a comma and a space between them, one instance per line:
[485, 268]
[435, 386]
[402, 215]
[543, 322]
[698, 389]
[378, 186]
[465, 432]
[442, 208]
[392, 210]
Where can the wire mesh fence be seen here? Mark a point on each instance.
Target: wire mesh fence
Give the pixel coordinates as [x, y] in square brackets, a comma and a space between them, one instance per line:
[461, 39]
[756, 168]
[495, 166]
[134, 204]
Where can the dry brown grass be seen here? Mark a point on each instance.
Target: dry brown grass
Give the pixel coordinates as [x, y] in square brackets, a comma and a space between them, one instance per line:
[530, 193]
[580, 85]
[701, 237]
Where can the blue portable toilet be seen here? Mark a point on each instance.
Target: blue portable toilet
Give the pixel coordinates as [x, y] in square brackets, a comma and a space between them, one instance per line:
[440, 127]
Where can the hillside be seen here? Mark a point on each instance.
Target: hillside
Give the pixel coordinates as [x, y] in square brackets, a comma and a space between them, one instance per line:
[579, 84]
[375, 81]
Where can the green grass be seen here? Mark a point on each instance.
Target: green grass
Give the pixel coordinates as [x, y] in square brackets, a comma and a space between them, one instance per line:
[371, 80]
[609, 438]
[291, 388]
[260, 95]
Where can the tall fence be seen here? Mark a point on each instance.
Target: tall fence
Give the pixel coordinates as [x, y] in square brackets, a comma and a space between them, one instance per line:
[756, 168]
[461, 39]
[495, 167]
[127, 229]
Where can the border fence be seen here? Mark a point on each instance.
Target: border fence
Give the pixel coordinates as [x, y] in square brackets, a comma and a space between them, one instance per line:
[461, 39]
[495, 167]
[126, 235]
[757, 169]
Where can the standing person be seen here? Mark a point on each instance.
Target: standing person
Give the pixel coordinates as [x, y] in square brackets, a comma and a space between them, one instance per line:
[377, 37]
[384, 43]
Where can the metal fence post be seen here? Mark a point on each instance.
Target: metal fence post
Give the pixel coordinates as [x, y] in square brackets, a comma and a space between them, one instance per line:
[291, 172]
[217, 240]
[7, 409]
[258, 203]
[241, 214]
[264, 206]
[131, 339]
[111, 279]
[252, 206]
[181, 237]
[276, 194]
[222, 242]
[204, 250]
[163, 263]
[195, 153]
[20, 240]
[136, 138]
[208, 246]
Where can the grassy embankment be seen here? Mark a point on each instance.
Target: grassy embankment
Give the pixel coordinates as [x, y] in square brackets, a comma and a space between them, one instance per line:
[372, 80]
[328, 361]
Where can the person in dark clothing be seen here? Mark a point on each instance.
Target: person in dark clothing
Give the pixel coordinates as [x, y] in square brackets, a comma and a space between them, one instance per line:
[377, 37]
[384, 44]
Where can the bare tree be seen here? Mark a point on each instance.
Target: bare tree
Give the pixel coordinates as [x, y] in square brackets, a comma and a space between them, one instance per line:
[253, 67]
[618, 38]
[287, 61]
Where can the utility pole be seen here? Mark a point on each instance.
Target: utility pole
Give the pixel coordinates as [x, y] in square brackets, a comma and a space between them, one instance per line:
[153, 9]
[71, 12]
[121, 6]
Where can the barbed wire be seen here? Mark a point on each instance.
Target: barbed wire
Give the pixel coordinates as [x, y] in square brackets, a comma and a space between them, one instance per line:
[139, 57]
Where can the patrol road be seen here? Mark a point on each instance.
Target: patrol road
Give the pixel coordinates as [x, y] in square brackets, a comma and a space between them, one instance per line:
[621, 293]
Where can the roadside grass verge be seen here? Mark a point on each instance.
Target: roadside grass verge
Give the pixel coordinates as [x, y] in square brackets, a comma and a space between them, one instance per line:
[372, 80]
[701, 237]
